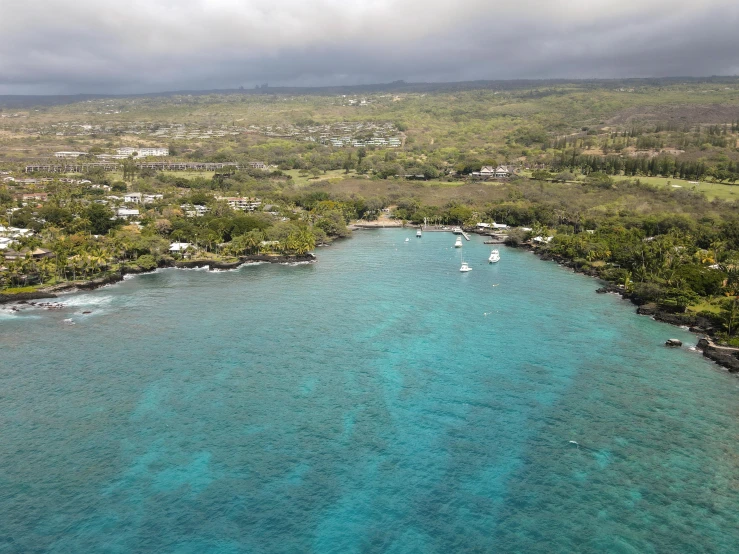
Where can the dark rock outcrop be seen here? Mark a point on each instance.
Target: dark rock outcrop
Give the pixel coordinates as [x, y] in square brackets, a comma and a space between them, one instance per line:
[279, 259]
[50, 292]
[722, 355]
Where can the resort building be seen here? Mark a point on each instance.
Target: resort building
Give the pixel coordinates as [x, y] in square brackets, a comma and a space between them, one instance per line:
[194, 210]
[244, 204]
[490, 172]
[142, 152]
[69, 154]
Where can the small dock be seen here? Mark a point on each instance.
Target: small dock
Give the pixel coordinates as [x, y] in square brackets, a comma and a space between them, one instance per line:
[460, 231]
[455, 230]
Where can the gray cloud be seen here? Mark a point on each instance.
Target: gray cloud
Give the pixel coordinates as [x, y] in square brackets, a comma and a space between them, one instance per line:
[71, 46]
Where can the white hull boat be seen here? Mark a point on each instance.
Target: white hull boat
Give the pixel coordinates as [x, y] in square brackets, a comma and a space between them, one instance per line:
[465, 266]
[494, 256]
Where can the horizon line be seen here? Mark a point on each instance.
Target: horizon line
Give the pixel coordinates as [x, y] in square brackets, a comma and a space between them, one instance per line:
[393, 84]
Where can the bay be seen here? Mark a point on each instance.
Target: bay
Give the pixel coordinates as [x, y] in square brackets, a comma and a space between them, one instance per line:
[376, 401]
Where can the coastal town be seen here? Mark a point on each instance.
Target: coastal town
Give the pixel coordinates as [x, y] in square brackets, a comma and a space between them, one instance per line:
[99, 188]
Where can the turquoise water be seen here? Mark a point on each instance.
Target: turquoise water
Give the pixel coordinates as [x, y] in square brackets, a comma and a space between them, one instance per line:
[376, 401]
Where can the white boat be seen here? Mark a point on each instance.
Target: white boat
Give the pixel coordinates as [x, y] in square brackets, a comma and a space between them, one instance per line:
[458, 244]
[494, 256]
[419, 234]
[465, 267]
[407, 240]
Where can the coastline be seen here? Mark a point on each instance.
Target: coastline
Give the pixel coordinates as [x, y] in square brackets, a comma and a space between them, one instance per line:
[726, 357]
[53, 291]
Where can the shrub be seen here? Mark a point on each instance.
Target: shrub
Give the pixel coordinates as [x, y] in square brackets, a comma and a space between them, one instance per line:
[146, 262]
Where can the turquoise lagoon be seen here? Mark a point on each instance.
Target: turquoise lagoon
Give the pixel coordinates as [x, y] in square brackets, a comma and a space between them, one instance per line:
[376, 401]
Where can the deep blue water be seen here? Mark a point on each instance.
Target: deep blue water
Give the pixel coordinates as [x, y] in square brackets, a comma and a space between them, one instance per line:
[376, 401]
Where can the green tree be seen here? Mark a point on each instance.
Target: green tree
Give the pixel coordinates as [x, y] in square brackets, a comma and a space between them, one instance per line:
[730, 314]
[100, 218]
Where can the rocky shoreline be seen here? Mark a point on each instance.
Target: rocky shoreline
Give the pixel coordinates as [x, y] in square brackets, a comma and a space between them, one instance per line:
[725, 356]
[70, 286]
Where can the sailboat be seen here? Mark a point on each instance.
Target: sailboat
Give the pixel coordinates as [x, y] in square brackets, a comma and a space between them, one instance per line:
[465, 267]
[494, 256]
[458, 244]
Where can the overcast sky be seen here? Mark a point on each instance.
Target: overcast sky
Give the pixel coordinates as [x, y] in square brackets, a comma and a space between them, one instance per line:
[101, 46]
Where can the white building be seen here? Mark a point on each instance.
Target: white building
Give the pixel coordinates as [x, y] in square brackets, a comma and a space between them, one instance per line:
[142, 152]
[502, 172]
[195, 210]
[133, 197]
[14, 232]
[126, 213]
[244, 204]
[69, 154]
[179, 246]
[488, 171]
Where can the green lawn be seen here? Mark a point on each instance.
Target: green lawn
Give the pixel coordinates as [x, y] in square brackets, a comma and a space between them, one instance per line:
[708, 305]
[721, 191]
[18, 290]
[711, 190]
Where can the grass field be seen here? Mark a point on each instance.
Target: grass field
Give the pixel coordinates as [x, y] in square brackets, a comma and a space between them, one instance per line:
[711, 190]
[303, 179]
[722, 191]
[708, 305]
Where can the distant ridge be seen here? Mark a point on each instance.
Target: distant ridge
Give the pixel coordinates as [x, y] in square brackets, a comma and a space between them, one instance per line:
[27, 101]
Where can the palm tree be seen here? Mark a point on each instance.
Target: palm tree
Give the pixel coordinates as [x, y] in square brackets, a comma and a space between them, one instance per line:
[46, 268]
[253, 240]
[718, 247]
[306, 240]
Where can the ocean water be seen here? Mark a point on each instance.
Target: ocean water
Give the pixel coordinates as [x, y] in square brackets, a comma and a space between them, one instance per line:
[376, 401]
